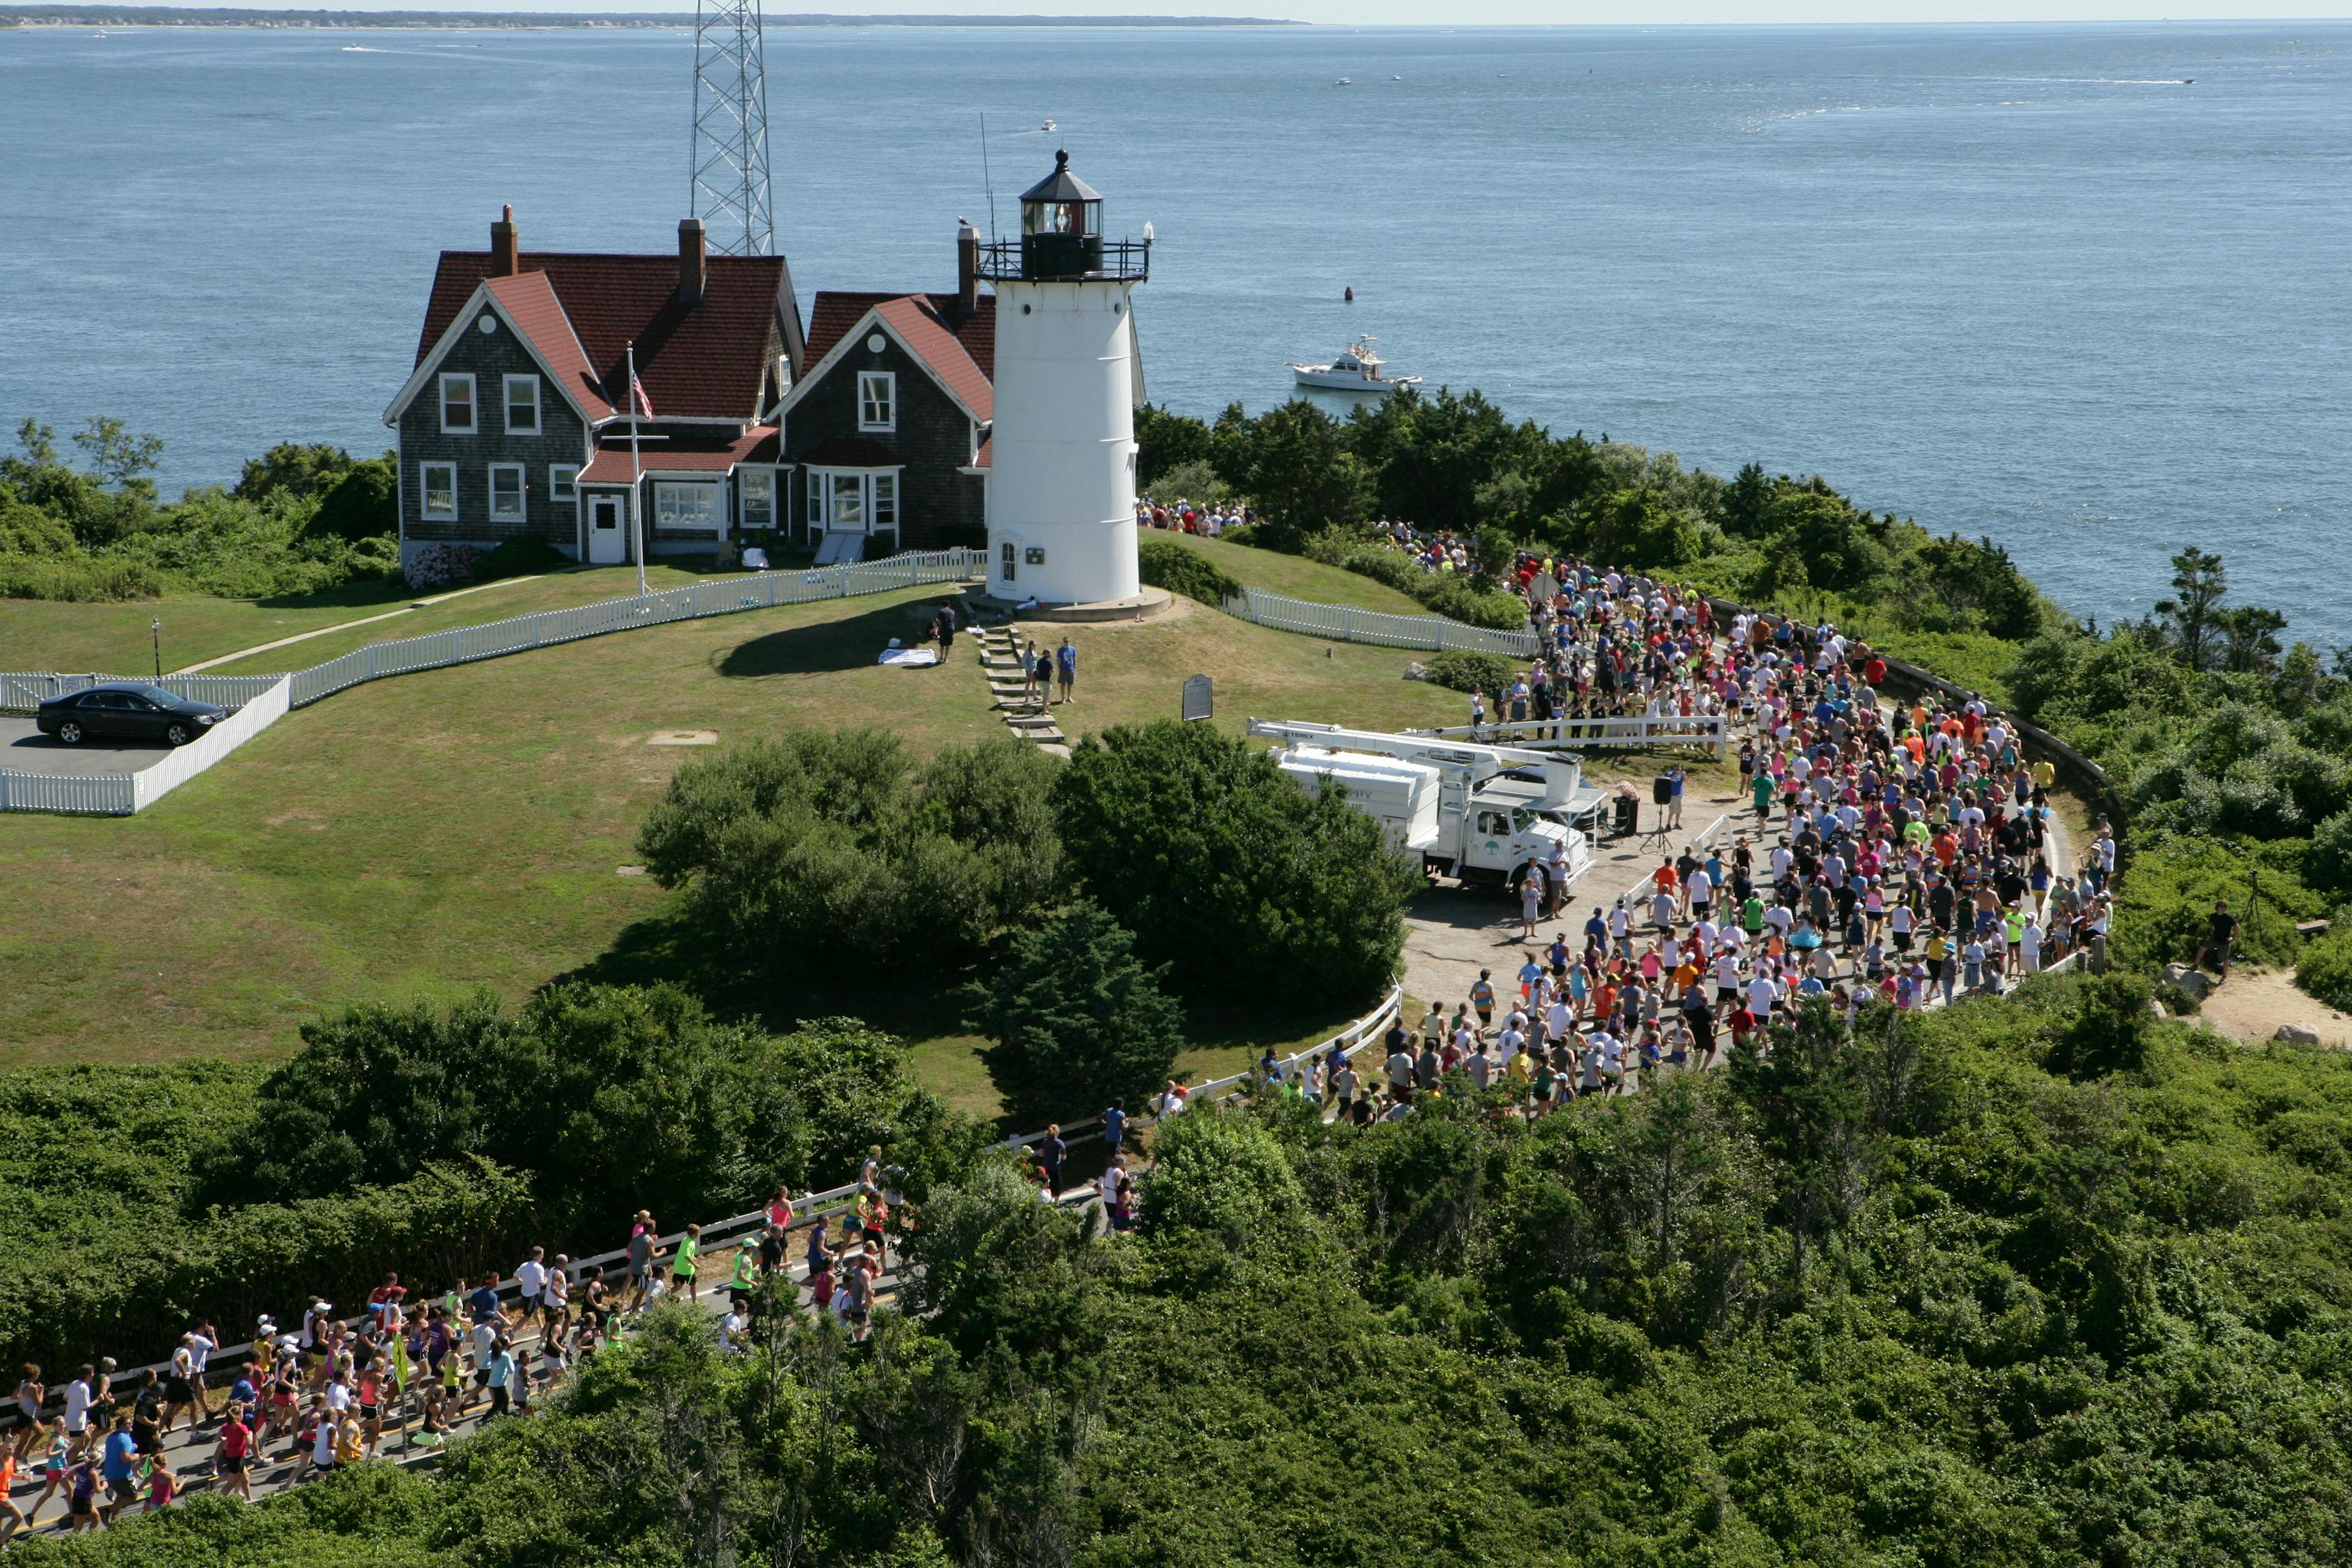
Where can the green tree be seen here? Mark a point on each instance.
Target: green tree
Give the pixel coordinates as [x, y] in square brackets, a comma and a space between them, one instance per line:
[1230, 872]
[292, 470]
[1079, 1021]
[364, 503]
[1296, 468]
[1165, 441]
[2193, 614]
[121, 459]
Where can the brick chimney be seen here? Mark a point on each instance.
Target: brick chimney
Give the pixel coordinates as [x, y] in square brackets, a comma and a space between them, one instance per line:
[693, 260]
[506, 247]
[967, 268]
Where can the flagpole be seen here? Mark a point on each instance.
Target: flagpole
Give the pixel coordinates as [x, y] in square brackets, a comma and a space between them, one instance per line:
[636, 475]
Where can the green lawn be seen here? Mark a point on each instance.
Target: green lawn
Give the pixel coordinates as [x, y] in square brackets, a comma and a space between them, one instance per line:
[463, 828]
[37, 634]
[1298, 576]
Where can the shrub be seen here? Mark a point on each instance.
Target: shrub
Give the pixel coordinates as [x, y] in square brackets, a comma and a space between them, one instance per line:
[1077, 1020]
[364, 503]
[439, 566]
[2328, 863]
[1164, 563]
[817, 856]
[520, 556]
[1466, 669]
[1219, 1174]
[77, 579]
[2326, 970]
[2110, 1031]
[1228, 871]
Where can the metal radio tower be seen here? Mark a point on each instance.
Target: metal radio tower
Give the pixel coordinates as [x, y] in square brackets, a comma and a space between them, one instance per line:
[730, 163]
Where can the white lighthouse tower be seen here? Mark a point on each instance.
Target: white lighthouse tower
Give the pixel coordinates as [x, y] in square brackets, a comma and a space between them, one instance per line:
[1061, 476]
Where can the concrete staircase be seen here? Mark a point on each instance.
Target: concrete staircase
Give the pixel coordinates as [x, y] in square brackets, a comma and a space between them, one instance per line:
[1000, 662]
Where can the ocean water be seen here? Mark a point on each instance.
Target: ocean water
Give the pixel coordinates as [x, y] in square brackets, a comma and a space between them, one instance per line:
[2025, 282]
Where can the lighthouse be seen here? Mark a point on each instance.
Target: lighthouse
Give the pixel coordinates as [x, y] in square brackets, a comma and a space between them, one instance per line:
[1061, 465]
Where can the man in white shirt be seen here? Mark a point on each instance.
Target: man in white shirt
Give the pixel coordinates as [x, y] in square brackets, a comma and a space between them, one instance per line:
[1762, 994]
[530, 1283]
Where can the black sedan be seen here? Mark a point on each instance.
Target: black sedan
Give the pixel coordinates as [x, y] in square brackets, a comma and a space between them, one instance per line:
[125, 710]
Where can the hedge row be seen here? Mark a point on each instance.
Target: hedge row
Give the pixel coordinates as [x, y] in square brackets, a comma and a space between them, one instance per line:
[62, 1306]
[1164, 563]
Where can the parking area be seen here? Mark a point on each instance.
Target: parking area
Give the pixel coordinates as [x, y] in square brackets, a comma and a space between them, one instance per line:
[25, 750]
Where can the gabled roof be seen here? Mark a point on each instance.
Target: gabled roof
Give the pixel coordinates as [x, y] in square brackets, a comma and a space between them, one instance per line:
[706, 360]
[537, 318]
[613, 465]
[834, 313]
[919, 327]
[528, 308]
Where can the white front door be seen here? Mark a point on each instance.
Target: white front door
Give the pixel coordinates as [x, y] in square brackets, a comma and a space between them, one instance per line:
[608, 541]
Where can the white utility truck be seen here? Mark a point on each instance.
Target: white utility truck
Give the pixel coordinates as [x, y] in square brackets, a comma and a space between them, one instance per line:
[1476, 813]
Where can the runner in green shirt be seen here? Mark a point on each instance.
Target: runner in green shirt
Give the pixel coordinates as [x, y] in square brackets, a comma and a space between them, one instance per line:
[681, 1268]
[746, 1278]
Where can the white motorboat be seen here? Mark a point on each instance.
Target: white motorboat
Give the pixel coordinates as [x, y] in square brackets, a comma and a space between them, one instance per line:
[1049, 125]
[1356, 368]
[1345, 81]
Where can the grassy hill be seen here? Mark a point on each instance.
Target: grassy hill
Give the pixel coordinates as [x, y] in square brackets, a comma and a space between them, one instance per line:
[463, 829]
[1298, 576]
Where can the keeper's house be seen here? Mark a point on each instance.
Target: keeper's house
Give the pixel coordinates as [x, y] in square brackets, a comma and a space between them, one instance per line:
[866, 436]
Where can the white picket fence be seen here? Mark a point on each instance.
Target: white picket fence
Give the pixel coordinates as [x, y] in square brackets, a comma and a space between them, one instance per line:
[266, 698]
[1347, 624]
[21, 691]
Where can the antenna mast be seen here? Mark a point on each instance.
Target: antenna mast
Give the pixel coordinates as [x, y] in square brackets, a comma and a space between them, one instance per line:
[987, 179]
[728, 168]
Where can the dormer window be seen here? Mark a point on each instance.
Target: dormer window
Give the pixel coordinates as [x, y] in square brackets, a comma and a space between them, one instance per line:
[878, 400]
[457, 405]
[522, 405]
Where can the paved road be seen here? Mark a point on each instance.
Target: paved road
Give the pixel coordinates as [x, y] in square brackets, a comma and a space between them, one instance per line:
[25, 750]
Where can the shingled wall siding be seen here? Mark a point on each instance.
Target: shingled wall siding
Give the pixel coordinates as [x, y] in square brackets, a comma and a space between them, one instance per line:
[937, 505]
[491, 357]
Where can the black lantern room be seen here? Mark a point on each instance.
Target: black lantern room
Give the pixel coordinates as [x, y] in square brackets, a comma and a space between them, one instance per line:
[1061, 236]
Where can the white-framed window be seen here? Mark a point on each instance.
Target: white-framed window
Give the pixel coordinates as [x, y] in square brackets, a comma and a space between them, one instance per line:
[522, 405]
[457, 414]
[756, 489]
[855, 501]
[878, 400]
[846, 508]
[437, 490]
[561, 482]
[689, 507]
[509, 490]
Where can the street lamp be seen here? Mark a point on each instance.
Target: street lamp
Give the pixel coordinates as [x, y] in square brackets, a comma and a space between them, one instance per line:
[155, 630]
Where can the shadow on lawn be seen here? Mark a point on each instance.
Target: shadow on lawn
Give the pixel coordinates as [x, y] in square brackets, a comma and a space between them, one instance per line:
[915, 1006]
[822, 646]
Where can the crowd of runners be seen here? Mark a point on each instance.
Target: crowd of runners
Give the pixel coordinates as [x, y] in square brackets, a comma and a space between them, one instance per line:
[416, 1366]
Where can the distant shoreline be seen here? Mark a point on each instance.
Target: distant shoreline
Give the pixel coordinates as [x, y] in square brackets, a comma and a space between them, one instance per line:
[170, 16]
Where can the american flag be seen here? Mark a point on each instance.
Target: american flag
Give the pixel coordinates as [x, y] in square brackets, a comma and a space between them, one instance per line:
[637, 395]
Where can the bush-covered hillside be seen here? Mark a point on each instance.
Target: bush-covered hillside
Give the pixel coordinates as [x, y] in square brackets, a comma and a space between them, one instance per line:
[1972, 1290]
[300, 519]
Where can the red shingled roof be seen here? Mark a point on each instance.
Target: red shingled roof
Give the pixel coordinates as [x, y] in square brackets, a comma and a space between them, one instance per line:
[914, 320]
[611, 465]
[530, 300]
[832, 313]
[704, 361]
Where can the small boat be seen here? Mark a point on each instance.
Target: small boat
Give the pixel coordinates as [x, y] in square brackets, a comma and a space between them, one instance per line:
[1396, 78]
[1049, 125]
[1356, 368]
[1345, 81]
